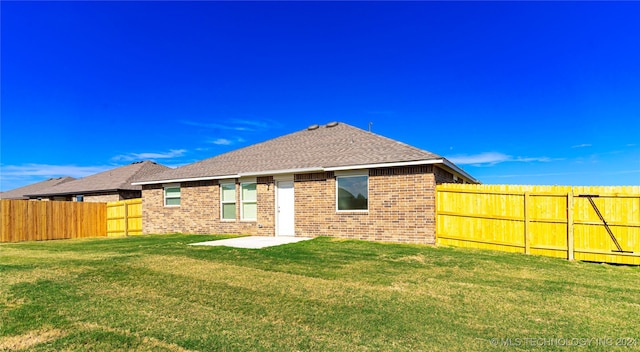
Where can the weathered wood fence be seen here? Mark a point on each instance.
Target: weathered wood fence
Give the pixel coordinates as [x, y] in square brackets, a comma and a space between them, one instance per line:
[124, 218]
[23, 220]
[556, 221]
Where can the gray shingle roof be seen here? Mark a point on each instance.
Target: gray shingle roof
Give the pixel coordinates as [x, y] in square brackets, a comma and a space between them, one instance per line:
[20, 193]
[111, 180]
[324, 147]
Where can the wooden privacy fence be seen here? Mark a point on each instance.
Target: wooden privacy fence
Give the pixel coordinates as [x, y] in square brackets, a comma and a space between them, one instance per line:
[124, 217]
[23, 220]
[600, 224]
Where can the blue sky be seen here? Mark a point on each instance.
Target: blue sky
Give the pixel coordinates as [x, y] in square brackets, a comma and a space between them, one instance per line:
[513, 92]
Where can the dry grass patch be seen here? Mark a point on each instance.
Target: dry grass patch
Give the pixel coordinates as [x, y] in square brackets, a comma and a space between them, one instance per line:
[270, 282]
[30, 339]
[147, 343]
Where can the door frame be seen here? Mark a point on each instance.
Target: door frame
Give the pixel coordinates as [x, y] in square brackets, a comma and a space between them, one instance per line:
[278, 180]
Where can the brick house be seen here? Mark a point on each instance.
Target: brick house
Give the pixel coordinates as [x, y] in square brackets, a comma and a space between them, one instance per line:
[332, 180]
[108, 186]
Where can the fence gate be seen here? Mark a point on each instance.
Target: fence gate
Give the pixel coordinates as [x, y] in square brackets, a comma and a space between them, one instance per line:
[124, 218]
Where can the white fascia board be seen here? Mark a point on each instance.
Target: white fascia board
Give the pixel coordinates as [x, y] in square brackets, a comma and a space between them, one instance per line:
[462, 173]
[175, 180]
[373, 166]
[244, 174]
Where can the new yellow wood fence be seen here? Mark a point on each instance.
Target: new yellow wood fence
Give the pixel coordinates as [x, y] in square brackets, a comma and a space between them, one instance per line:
[124, 218]
[556, 221]
[24, 220]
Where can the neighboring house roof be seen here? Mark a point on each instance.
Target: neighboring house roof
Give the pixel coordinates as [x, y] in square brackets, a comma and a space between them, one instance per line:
[108, 181]
[20, 193]
[334, 146]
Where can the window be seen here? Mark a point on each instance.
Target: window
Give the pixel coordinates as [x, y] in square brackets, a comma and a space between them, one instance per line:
[79, 198]
[228, 201]
[353, 193]
[172, 196]
[249, 201]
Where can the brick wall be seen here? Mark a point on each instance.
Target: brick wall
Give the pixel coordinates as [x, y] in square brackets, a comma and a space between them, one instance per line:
[266, 207]
[401, 208]
[100, 198]
[199, 211]
[109, 197]
[443, 176]
[130, 194]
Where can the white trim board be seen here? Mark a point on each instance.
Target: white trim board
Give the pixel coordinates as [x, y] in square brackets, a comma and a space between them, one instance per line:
[442, 161]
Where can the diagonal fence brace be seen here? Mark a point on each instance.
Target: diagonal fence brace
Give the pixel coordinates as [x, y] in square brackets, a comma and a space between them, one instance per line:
[606, 226]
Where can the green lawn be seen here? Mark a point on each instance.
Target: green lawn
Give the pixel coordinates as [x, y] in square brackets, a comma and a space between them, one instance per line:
[156, 293]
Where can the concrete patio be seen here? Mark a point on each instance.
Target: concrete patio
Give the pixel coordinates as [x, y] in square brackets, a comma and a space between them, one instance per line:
[252, 242]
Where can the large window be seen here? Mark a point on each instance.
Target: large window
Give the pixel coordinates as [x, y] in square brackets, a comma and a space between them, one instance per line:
[228, 201]
[172, 195]
[353, 193]
[249, 202]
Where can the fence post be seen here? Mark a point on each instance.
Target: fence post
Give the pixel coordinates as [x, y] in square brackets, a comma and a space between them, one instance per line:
[527, 237]
[570, 249]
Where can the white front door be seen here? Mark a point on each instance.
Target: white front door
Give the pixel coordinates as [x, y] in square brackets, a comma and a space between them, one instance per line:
[285, 225]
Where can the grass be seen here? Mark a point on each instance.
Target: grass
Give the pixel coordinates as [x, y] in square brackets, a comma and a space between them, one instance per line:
[156, 293]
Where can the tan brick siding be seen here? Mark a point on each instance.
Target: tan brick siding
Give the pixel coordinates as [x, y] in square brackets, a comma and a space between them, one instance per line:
[109, 197]
[443, 176]
[113, 197]
[401, 208]
[199, 211]
[266, 207]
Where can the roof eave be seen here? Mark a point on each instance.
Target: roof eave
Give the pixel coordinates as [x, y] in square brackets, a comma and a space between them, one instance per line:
[458, 170]
[302, 170]
[85, 192]
[189, 179]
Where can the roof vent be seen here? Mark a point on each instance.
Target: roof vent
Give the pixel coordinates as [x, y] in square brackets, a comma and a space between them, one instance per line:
[312, 127]
[332, 124]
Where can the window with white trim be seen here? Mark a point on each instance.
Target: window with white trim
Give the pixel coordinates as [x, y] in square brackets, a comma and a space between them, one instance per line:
[228, 201]
[352, 193]
[249, 201]
[172, 195]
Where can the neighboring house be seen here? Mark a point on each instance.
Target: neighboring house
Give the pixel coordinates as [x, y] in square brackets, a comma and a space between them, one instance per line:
[333, 180]
[108, 186]
[20, 193]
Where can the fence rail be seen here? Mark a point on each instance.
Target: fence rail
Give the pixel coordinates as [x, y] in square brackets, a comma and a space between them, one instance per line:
[124, 218]
[556, 221]
[23, 220]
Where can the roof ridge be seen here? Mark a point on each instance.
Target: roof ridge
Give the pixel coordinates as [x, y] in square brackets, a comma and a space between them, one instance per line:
[136, 164]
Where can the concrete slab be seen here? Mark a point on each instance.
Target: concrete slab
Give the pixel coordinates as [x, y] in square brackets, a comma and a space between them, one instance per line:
[254, 242]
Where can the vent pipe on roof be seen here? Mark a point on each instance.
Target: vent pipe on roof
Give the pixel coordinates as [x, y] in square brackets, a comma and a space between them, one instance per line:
[313, 127]
[332, 124]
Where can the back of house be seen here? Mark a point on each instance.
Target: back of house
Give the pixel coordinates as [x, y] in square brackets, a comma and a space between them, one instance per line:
[331, 180]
